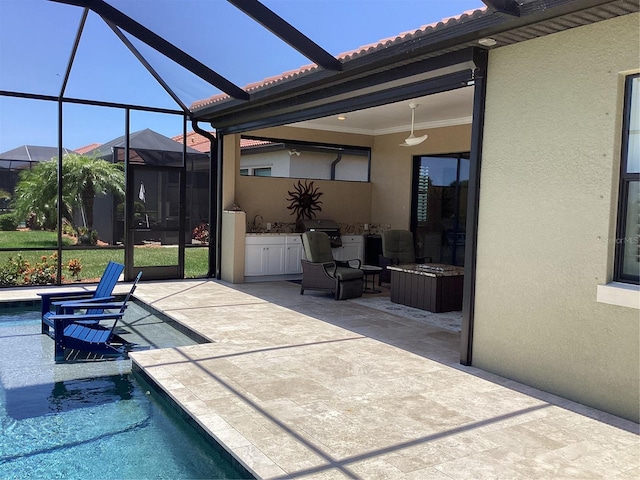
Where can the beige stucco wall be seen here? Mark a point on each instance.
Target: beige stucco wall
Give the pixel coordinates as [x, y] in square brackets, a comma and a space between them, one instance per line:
[548, 194]
[344, 202]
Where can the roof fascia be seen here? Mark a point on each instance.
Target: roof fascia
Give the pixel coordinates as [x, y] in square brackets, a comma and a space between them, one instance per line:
[395, 56]
[158, 43]
[344, 90]
[288, 33]
[268, 116]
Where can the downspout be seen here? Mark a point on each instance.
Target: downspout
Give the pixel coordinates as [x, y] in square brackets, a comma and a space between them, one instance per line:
[215, 212]
[333, 166]
[219, 152]
[481, 58]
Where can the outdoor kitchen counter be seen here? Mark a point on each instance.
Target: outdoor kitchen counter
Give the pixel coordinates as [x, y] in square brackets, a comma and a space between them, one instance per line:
[270, 234]
[432, 287]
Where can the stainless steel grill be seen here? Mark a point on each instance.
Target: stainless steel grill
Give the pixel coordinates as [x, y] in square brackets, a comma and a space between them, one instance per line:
[330, 227]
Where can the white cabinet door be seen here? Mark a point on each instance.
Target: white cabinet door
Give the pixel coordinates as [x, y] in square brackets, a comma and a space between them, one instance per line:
[264, 256]
[272, 255]
[292, 259]
[273, 259]
[253, 263]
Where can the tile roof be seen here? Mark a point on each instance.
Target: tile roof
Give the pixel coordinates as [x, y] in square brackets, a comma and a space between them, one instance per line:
[352, 54]
[201, 143]
[87, 148]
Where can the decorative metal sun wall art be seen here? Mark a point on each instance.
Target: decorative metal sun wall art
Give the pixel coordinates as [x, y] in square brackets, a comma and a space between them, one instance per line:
[304, 200]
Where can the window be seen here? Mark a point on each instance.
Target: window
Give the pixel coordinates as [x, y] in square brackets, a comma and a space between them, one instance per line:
[627, 256]
[256, 171]
[306, 160]
[262, 172]
[439, 207]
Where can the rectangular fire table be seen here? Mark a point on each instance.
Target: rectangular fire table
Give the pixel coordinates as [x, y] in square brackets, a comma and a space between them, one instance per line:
[431, 286]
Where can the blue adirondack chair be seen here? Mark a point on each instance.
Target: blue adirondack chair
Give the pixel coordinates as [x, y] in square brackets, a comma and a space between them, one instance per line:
[86, 331]
[57, 302]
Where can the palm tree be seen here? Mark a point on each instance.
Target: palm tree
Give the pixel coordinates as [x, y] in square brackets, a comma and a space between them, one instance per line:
[35, 196]
[87, 177]
[82, 179]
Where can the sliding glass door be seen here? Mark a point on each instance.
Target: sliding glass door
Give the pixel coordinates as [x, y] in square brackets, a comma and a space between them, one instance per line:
[439, 207]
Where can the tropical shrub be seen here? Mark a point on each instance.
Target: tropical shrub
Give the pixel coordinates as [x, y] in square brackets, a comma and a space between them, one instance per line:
[44, 272]
[18, 271]
[8, 222]
[12, 271]
[75, 267]
[87, 237]
[36, 195]
[201, 233]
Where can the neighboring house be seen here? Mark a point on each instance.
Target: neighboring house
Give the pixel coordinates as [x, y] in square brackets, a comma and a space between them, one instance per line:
[552, 262]
[262, 158]
[13, 161]
[151, 158]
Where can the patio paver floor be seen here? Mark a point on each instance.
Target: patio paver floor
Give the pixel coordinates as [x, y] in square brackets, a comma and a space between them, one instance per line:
[308, 387]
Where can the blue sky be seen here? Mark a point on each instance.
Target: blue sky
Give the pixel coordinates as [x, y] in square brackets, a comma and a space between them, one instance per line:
[213, 31]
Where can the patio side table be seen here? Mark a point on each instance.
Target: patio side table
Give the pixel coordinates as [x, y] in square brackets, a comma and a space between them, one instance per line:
[370, 271]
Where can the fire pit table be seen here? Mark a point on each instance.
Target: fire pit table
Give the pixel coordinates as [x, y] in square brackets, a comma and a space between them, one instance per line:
[431, 286]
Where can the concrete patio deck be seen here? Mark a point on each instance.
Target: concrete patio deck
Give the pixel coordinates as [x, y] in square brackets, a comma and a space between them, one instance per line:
[308, 387]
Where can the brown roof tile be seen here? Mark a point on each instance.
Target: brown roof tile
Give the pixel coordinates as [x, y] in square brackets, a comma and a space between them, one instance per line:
[350, 55]
[87, 148]
[202, 144]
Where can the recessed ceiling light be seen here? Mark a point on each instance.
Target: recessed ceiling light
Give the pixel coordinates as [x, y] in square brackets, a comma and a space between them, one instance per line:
[487, 42]
[341, 117]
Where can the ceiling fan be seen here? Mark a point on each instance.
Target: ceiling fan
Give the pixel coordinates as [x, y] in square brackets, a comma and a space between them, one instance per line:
[412, 140]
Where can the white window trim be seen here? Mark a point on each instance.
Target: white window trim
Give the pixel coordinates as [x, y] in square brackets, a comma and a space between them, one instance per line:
[621, 294]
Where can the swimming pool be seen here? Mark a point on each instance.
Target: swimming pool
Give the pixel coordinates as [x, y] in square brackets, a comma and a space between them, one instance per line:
[89, 419]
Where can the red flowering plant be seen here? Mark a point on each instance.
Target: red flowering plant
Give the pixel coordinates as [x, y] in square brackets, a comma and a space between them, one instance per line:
[44, 272]
[201, 233]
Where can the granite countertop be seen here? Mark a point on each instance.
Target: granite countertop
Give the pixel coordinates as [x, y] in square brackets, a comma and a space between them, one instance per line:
[429, 269]
[274, 234]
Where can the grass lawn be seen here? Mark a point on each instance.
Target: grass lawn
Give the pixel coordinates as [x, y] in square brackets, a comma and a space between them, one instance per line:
[31, 238]
[94, 260]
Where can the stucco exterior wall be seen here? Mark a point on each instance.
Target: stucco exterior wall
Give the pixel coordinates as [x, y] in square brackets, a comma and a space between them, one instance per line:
[547, 216]
[344, 202]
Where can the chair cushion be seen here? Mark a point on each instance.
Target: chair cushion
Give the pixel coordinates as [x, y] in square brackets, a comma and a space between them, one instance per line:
[398, 244]
[317, 247]
[346, 273]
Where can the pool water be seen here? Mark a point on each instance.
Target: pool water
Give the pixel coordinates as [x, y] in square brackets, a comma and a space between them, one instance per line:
[89, 420]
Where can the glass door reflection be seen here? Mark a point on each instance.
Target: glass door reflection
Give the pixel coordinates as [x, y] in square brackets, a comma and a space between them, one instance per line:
[439, 207]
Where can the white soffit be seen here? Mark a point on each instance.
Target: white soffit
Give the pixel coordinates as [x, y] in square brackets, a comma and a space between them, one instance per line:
[454, 107]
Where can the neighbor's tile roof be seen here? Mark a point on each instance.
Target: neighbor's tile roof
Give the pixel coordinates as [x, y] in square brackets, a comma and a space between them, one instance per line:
[352, 54]
[202, 144]
[87, 148]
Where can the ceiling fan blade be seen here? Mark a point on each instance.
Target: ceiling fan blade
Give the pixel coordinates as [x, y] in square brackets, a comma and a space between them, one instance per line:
[412, 140]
